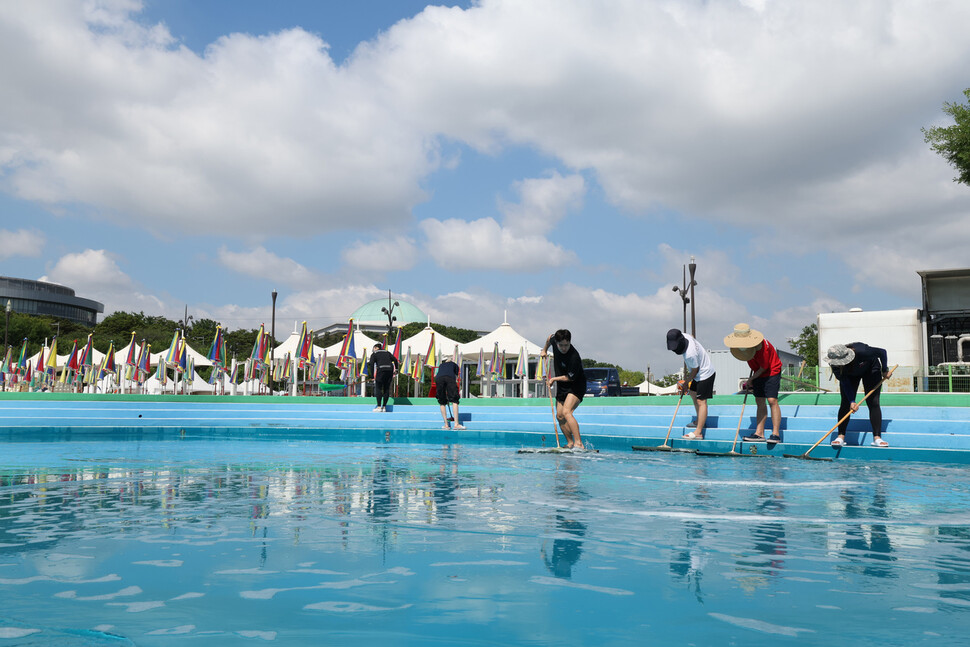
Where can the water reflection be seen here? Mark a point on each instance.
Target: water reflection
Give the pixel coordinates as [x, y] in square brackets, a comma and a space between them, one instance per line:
[445, 483]
[953, 571]
[867, 546]
[687, 564]
[567, 546]
[470, 539]
[181, 499]
[769, 536]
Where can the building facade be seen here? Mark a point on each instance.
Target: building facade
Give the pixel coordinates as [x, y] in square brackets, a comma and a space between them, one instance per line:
[42, 298]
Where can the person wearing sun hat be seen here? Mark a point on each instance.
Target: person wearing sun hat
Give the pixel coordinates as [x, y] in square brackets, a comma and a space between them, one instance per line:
[851, 364]
[749, 345]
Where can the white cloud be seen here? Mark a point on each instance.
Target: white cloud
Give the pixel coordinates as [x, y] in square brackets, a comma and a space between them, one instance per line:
[259, 134]
[261, 263]
[382, 256]
[519, 244]
[23, 242]
[485, 245]
[95, 274]
[92, 269]
[755, 114]
[752, 112]
[543, 203]
[797, 121]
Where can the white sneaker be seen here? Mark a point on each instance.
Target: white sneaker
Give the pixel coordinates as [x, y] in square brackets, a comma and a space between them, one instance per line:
[459, 426]
[383, 409]
[446, 426]
[377, 409]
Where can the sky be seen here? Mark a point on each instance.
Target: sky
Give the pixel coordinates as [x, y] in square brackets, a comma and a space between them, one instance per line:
[552, 163]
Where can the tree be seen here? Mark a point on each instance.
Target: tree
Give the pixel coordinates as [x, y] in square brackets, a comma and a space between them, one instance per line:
[118, 326]
[670, 378]
[201, 334]
[632, 378]
[239, 343]
[953, 142]
[460, 335]
[806, 344]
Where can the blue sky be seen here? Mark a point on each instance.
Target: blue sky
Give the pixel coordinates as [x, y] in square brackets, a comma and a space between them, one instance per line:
[555, 162]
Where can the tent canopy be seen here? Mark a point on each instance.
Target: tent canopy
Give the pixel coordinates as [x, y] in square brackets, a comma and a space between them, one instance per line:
[419, 344]
[361, 342]
[509, 341]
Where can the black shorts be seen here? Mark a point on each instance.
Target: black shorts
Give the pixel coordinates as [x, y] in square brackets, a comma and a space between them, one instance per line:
[447, 390]
[704, 389]
[766, 387]
[561, 393]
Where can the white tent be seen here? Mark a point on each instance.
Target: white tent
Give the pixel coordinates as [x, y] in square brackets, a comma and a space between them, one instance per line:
[197, 385]
[96, 356]
[291, 345]
[648, 388]
[420, 342]
[36, 356]
[509, 341]
[199, 359]
[361, 342]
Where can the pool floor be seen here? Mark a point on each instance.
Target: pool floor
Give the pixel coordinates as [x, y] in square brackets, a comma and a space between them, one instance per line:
[196, 541]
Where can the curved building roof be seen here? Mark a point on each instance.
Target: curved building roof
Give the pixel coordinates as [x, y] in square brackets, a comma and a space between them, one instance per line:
[43, 298]
[404, 313]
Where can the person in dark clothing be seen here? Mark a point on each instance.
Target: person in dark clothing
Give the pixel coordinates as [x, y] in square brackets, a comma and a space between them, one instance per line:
[570, 379]
[851, 364]
[446, 391]
[383, 366]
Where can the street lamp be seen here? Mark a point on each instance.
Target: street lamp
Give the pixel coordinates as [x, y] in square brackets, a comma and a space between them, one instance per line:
[6, 324]
[683, 295]
[186, 318]
[693, 320]
[6, 328]
[272, 334]
[389, 310]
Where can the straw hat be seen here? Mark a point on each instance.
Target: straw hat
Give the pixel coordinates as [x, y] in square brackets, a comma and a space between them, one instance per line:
[744, 354]
[839, 355]
[743, 337]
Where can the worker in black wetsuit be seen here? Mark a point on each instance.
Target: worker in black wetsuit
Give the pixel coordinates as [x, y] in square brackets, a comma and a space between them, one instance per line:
[851, 364]
[448, 392]
[570, 379]
[383, 366]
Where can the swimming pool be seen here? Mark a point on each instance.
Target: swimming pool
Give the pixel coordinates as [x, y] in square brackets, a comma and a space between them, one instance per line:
[212, 541]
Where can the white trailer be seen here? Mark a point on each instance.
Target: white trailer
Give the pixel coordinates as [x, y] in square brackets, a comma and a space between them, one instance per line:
[900, 332]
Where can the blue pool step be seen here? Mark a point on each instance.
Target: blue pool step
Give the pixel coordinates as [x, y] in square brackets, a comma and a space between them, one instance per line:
[925, 428]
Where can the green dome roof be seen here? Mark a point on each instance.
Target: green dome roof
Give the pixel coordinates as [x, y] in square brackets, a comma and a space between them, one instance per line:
[404, 312]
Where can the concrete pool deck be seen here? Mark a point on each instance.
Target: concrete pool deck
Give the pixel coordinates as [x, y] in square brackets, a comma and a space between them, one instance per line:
[919, 426]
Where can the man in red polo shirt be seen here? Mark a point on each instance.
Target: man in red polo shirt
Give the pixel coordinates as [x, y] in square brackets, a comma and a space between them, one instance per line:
[751, 346]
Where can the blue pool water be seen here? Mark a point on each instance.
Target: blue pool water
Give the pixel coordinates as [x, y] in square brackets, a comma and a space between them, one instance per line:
[219, 542]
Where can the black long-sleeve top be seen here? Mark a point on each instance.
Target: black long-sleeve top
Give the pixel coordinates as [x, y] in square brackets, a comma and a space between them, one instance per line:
[867, 360]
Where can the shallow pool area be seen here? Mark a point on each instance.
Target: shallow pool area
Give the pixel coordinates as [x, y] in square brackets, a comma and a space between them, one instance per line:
[293, 542]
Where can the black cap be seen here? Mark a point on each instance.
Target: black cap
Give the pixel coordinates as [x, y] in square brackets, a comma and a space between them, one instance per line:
[674, 338]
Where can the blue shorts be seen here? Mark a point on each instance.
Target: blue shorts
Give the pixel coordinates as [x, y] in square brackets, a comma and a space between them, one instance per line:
[766, 387]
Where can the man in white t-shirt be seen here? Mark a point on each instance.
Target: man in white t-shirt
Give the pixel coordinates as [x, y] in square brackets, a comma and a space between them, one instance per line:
[699, 381]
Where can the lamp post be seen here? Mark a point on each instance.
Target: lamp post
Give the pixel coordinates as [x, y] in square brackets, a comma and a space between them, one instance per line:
[272, 348]
[389, 311]
[688, 299]
[683, 295]
[6, 324]
[6, 328]
[693, 320]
